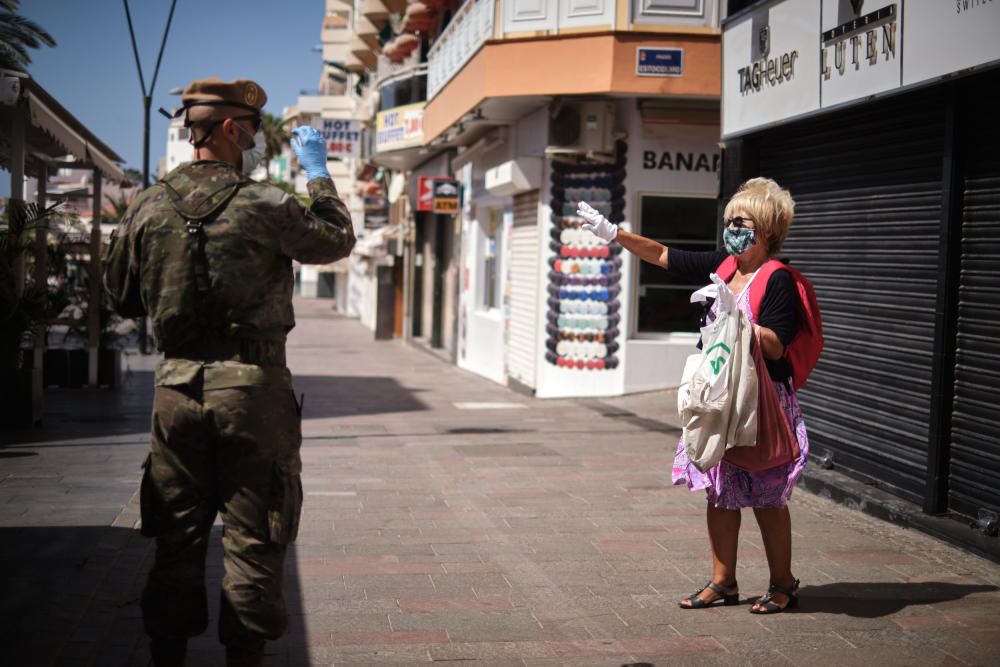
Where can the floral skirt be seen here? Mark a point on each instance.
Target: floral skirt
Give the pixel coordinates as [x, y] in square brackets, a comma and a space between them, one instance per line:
[733, 488]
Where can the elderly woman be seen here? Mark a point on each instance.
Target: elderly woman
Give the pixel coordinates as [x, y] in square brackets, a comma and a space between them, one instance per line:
[757, 219]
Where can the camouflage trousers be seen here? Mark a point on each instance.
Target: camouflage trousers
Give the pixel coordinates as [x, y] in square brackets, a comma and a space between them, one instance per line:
[234, 451]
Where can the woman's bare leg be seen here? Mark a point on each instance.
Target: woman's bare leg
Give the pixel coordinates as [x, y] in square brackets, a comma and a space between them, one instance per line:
[776, 532]
[724, 536]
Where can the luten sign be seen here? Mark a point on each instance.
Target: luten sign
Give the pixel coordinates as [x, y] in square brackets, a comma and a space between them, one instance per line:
[860, 41]
[859, 49]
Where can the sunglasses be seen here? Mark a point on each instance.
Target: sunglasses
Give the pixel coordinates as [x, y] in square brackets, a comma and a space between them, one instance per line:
[738, 221]
[255, 120]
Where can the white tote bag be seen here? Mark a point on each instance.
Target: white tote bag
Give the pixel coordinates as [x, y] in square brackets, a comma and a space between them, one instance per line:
[719, 410]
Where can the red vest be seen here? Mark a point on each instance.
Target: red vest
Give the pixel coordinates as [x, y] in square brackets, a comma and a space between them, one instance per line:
[805, 347]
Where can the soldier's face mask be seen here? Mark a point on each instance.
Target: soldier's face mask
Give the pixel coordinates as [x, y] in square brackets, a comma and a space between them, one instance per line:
[253, 155]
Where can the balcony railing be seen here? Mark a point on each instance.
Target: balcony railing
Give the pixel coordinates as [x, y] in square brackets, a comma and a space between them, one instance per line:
[468, 30]
[473, 25]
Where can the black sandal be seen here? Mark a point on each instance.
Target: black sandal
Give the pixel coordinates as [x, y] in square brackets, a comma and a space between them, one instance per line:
[769, 607]
[695, 602]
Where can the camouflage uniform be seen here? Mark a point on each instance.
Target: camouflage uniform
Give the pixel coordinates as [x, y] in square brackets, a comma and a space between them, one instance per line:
[207, 254]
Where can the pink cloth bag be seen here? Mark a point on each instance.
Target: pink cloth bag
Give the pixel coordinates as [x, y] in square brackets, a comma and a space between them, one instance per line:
[776, 443]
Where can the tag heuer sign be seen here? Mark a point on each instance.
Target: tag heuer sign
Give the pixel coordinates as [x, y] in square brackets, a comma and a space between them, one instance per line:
[764, 41]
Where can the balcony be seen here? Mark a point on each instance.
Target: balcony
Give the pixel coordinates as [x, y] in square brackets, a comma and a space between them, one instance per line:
[468, 30]
[531, 50]
[402, 93]
[336, 27]
[407, 86]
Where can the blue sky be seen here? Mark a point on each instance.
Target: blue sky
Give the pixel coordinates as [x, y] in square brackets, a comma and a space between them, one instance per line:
[92, 71]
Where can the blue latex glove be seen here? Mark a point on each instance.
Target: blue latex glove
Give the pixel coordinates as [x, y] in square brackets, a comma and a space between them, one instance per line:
[310, 149]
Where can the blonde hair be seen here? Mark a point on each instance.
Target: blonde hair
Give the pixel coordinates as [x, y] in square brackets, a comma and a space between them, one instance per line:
[770, 206]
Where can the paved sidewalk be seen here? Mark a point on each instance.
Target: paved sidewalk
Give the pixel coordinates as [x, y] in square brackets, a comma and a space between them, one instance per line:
[450, 520]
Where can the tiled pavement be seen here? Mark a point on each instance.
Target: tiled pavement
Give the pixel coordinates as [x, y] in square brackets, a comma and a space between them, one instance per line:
[438, 527]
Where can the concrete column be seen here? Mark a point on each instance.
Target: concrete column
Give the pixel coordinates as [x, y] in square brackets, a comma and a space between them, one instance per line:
[94, 320]
[41, 262]
[16, 167]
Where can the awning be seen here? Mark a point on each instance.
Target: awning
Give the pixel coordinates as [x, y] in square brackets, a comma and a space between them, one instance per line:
[397, 186]
[340, 266]
[52, 118]
[371, 243]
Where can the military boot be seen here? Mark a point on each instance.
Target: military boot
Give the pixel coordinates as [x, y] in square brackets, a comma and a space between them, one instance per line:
[245, 656]
[168, 652]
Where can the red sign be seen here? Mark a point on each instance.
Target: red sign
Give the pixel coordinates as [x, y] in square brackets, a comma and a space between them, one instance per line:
[437, 194]
[425, 193]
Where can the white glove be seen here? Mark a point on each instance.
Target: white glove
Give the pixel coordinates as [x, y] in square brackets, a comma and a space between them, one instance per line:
[596, 223]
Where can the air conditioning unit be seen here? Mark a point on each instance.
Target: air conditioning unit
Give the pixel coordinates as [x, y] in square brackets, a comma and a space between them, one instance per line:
[582, 128]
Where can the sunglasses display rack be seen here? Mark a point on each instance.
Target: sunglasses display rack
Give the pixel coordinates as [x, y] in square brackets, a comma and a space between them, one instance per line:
[584, 272]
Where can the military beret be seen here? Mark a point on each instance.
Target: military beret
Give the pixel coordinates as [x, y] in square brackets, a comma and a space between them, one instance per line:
[212, 98]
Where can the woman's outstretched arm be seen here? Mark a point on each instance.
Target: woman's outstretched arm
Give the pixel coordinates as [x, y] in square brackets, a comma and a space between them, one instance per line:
[645, 249]
[649, 250]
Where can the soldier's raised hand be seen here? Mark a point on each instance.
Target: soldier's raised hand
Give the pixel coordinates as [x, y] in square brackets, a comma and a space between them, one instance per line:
[310, 149]
[596, 223]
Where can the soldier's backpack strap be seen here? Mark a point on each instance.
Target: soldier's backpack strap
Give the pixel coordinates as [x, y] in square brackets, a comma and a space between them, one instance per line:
[195, 218]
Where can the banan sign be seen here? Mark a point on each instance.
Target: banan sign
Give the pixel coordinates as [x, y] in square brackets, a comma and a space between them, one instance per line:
[680, 161]
[865, 39]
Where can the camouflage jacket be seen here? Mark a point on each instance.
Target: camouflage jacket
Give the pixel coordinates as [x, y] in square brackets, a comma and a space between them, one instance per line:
[207, 255]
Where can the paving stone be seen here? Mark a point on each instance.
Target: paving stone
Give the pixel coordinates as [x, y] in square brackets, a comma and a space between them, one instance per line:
[433, 533]
[473, 627]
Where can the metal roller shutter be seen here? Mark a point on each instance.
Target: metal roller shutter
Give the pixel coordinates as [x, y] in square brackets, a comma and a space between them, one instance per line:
[524, 256]
[867, 186]
[974, 470]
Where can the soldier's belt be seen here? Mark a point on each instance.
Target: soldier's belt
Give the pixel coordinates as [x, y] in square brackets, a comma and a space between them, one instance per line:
[210, 375]
[259, 352]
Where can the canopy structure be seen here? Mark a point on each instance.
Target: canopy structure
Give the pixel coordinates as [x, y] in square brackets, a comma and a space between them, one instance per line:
[48, 133]
[38, 133]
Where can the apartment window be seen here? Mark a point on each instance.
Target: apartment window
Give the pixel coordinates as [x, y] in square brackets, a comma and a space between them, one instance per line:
[182, 133]
[491, 260]
[687, 223]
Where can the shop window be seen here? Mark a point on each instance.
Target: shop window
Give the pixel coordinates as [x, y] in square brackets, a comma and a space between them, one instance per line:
[686, 223]
[491, 260]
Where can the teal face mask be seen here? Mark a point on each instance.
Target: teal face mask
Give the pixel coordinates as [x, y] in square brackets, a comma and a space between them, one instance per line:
[738, 240]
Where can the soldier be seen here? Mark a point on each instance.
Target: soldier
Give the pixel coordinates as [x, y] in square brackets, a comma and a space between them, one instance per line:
[207, 254]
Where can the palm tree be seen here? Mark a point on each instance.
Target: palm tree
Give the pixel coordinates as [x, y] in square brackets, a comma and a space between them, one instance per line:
[16, 242]
[275, 138]
[114, 211]
[17, 35]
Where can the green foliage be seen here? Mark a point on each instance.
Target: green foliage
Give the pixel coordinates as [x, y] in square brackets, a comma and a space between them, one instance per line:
[275, 138]
[21, 217]
[133, 175]
[22, 304]
[119, 207]
[17, 36]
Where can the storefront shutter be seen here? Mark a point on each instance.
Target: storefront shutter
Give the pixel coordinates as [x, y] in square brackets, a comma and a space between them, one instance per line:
[974, 470]
[524, 258]
[867, 186]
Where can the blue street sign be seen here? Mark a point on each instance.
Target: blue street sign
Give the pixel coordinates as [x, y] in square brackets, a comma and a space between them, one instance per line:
[652, 61]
